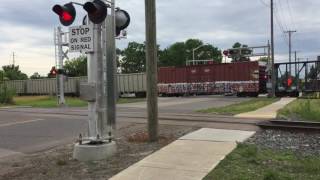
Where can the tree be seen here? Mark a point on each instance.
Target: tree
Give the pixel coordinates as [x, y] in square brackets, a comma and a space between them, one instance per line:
[178, 53]
[134, 58]
[175, 55]
[1, 76]
[314, 71]
[76, 67]
[12, 72]
[264, 59]
[36, 75]
[236, 45]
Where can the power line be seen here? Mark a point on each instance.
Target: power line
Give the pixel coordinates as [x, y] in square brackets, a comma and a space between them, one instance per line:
[290, 14]
[281, 13]
[281, 26]
[265, 4]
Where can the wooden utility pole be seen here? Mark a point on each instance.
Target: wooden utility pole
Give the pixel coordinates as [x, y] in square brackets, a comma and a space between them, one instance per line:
[152, 70]
[290, 35]
[13, 59]
[273, 78]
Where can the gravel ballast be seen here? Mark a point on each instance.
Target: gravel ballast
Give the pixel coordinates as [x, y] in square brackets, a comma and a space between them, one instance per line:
[298, 142]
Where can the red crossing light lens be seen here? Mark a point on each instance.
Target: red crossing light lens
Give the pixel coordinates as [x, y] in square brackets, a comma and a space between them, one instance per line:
[289, 82]
[66, 16]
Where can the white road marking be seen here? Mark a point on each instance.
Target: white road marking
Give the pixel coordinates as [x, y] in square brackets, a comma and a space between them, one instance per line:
[174, 102]
[21, 122]
[6, 152]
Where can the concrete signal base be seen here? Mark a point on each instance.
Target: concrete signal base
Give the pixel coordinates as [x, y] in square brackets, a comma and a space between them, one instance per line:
[88, 152]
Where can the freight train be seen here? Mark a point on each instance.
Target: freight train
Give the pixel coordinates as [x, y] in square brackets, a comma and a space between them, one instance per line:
[127, 83]
[241, 78]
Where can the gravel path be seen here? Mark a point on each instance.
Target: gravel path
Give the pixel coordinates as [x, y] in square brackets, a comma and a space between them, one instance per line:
[57, 163]
[299, 142]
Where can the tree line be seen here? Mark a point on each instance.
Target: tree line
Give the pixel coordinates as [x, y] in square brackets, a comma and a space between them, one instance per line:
[132, 59]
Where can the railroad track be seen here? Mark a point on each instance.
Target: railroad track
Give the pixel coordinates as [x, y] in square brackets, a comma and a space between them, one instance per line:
[290, 125]
[192, 119]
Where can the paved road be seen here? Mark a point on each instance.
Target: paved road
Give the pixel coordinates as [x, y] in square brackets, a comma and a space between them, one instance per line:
[28, 130]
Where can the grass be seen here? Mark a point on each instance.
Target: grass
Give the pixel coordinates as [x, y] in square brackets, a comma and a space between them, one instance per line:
[303, 109]
[50, 101]
[248, 162]
[46, 101]
[130, 100]
[241, 107]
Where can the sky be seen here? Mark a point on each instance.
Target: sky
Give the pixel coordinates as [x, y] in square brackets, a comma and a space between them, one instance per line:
[27, 27]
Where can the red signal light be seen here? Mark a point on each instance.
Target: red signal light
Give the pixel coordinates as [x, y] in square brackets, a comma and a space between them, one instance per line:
[226, 52]
[53, 71]
[289, 81]
[66, 16]
[67, 13]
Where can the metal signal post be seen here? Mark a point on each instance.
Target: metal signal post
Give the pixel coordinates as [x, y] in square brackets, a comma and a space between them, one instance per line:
[100, 91]
[60, 55]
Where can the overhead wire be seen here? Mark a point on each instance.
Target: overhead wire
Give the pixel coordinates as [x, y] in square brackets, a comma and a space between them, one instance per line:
[280, 24]
[268, 26]
[290, 14]
[264, 3]
[282, 14]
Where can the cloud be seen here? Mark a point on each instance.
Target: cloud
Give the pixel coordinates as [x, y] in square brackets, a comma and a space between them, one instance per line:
[27, 26]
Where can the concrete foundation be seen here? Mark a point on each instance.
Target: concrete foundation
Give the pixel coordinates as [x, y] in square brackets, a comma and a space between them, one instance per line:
[87, 152]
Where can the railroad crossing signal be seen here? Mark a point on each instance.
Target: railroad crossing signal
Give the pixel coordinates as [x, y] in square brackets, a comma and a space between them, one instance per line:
[66, 13]
[53, 71]
[289, 81]
[122, 20]
[226, 52]
[61, 71]
[97, 11]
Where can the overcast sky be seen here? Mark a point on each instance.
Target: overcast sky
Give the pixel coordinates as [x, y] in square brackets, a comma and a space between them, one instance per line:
[26, 27]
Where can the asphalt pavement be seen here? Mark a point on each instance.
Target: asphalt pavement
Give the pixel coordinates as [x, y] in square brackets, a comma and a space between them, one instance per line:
[29, 130]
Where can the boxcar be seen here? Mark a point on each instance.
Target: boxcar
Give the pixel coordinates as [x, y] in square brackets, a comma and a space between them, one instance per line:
[241, 78]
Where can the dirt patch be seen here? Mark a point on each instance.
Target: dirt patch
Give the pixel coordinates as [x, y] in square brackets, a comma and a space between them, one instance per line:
[58, 164]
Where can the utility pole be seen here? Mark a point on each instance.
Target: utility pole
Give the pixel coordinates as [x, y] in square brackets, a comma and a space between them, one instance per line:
[296, 70]
[273, 78]
[13, 59]
[295, 62]
[290, 34]
[151, 62]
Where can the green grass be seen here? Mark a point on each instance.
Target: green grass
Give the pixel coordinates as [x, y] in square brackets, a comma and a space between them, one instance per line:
[46, 101]
[247, 162]
[50, 101]
[303, 109]
[130, 100]
[241, 107]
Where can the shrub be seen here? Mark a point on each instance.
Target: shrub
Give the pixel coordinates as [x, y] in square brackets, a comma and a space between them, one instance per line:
[6, 95]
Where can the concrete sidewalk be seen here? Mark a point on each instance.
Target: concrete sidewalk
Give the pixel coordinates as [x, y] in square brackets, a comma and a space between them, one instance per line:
[267, 112]
[191, 157]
